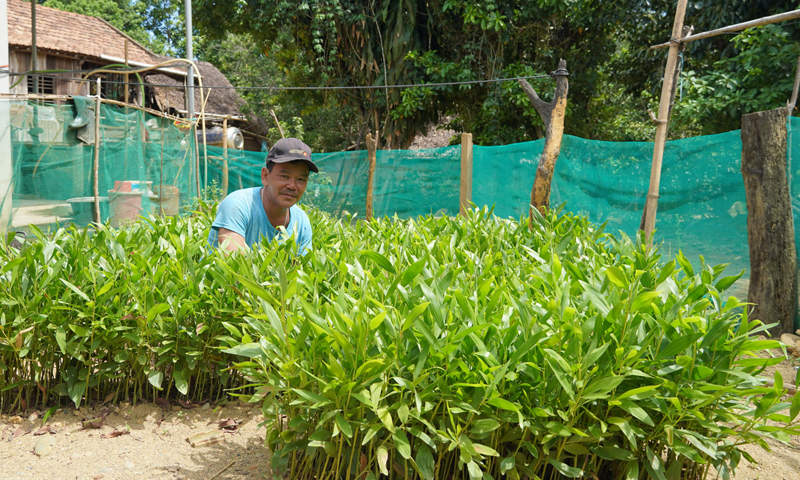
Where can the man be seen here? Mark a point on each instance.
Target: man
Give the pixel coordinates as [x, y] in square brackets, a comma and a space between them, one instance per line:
[247, 215]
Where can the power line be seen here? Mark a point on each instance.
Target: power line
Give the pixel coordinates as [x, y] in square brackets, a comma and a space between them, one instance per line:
[352, 87]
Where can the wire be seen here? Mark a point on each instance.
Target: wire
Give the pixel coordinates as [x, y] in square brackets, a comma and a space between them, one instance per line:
[352, 87]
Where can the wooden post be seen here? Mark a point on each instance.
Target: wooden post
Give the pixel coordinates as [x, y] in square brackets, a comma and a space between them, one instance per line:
[224, 185]
[372, 156]
[553, 115]
[770, 226]
[465, 192]
[96, 182]
[127, 87]
[651, 204]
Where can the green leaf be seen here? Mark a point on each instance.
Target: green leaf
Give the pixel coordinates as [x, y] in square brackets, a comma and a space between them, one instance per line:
[344, 426]
[636, 391]
[644, 300]
[726, 282]
[155, 378]
[250, 350]
[503, 404]
[506, 464]
[564, 469]
[679, 345]
[156, 310]
[617, 277]
[377, 320]
[425, 462]
[411, 272]
[473, 468]
[414, 314]
[484, 425]
[75, 289]
[402, 444]
[654, 466]
[379, 259]
[685, 264]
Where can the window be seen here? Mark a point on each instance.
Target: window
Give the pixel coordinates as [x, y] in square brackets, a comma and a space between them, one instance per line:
[46, 85]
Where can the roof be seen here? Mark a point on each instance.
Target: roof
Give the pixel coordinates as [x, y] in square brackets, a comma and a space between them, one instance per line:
[73, 33]
[223, 101]
[70, 33]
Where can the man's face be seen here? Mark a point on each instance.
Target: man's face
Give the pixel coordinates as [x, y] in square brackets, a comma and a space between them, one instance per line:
[286, 183]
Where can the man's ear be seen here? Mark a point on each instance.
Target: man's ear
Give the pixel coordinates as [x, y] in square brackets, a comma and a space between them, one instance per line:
[264, 175]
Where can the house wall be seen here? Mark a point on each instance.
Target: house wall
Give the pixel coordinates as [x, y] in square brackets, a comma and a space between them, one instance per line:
[20, 61]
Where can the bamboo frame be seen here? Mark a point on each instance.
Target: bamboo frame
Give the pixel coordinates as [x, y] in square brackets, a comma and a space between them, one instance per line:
[781, 17]
[97, 156]
[224, 185]
[651, 204]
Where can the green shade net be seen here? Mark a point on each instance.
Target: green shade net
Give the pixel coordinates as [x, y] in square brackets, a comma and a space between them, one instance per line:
[146, 165]
[701, 209]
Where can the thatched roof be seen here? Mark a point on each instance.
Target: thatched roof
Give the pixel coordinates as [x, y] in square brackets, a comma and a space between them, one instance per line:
[221, 101]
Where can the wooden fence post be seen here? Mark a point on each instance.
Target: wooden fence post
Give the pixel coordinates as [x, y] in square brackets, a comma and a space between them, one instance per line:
[371, 154]
[224, 185]
[770, 226]
[465, 192]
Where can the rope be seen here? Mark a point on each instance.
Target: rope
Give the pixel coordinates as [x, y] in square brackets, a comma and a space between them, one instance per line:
[351, 87]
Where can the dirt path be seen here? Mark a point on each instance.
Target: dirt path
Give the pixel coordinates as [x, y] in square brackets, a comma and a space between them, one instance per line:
[155, 445]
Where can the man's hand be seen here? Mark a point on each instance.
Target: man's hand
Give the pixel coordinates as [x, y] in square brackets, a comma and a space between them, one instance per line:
[229, 240]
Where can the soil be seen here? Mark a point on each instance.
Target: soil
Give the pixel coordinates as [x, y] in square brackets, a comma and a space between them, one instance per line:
[154, 445]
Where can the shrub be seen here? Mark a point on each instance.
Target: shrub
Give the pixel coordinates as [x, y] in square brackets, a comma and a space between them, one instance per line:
[455, 348]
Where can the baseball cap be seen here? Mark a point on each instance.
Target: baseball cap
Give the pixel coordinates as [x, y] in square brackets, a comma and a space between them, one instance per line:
[289, 150]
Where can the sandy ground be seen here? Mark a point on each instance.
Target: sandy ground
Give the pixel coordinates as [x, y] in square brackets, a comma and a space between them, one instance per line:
[155, 445]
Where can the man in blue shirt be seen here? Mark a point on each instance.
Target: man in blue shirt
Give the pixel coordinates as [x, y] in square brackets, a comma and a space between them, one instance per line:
[247, 215]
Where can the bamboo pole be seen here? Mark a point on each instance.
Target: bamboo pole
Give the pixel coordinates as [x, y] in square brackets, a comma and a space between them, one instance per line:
[651, 204]
[465, 190]
[781, 17]
[275, 117]
[161, 175]
[224, 159]
[147, 110]
[197, 156]
[97, 218]
[371, 155]
[126, 75]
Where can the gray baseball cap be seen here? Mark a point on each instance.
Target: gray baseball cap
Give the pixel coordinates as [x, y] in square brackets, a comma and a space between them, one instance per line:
[290, 150]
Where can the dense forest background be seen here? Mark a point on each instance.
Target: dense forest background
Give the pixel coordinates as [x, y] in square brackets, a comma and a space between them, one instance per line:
[614, 77]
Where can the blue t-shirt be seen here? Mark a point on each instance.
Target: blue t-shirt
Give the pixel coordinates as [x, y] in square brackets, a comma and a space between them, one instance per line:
[242, 212]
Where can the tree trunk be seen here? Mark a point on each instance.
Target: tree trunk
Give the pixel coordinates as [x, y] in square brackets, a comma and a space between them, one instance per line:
[770, 226]
[552, 114]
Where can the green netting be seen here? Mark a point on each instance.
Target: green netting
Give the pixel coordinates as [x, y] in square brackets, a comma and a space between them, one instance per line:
[702, 209]
[339, 189]
[146, 164]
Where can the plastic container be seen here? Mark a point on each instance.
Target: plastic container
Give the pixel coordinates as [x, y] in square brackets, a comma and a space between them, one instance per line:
[167, 200]
[124, 207]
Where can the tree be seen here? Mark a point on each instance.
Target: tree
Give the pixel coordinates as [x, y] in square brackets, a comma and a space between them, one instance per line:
[156, 24]
[388, 42]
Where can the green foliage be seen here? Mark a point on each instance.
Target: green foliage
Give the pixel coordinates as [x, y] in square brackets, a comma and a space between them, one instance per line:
[454, 348]
[135, 312]
[759, 77]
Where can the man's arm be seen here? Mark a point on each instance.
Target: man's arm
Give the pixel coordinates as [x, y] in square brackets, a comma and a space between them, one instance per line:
[230, 240]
